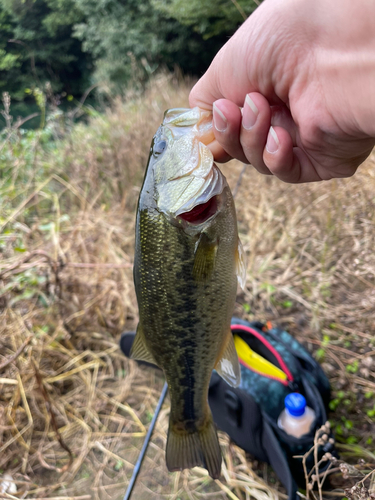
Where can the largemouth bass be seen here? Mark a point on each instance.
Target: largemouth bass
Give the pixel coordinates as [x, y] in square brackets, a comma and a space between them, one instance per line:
[187, 259]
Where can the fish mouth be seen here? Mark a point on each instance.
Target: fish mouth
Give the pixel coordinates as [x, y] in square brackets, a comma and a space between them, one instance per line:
[192, 194]
[187, 181]
[201, 213]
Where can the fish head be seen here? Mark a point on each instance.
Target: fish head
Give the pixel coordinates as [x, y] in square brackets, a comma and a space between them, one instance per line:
[186, 182]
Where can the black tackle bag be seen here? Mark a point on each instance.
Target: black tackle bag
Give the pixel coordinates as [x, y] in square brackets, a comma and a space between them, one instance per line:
[273, 365]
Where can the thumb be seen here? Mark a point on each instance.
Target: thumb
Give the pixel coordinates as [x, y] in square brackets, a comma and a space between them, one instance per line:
[251, 60]
[227, 76]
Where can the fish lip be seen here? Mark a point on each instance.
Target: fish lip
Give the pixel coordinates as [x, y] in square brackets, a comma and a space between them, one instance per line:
[173, 117]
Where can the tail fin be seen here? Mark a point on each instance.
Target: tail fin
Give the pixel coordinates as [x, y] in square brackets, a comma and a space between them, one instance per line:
[186, 450]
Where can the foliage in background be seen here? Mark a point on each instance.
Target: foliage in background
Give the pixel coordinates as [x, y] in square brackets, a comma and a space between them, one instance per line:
[36, 46]
[130, 40]
[210, 19]
[74, 44]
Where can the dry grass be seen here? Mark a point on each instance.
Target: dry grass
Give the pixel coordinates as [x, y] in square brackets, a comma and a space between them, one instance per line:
[73, 410]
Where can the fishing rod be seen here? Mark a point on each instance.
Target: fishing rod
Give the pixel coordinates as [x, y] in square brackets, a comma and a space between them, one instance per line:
[137, 466]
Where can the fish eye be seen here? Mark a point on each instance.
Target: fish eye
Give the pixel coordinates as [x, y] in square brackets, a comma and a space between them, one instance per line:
[159, 148]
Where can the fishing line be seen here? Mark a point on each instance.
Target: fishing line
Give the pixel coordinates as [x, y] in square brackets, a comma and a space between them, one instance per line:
[137, 466]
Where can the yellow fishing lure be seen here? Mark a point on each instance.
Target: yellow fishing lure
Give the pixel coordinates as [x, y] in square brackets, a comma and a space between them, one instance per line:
[255, 361]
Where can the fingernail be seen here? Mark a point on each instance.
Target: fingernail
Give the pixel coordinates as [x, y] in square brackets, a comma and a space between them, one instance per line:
[220, 122]
[273, 142]
[250, 113]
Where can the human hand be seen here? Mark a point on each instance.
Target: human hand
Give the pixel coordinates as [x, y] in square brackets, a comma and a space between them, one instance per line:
[304, 73]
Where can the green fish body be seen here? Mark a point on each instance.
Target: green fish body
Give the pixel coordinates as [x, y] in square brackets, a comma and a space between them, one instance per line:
[187, 259]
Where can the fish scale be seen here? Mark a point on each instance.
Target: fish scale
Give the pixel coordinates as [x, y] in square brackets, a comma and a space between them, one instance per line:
[185, 276]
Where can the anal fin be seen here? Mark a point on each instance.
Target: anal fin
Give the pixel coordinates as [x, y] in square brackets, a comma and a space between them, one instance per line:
[227, 364]
[139, 349]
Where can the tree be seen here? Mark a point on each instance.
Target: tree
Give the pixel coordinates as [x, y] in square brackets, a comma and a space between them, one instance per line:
[210, 18]
[130, 39]
[36, 46]
[73, 43]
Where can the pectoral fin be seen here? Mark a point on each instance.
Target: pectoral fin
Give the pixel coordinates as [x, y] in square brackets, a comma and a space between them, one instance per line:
[241, 265]
[139, 349]
[205, 258]
[227, 365]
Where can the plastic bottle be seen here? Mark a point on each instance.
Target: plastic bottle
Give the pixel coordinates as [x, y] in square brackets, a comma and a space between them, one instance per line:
[296, 419]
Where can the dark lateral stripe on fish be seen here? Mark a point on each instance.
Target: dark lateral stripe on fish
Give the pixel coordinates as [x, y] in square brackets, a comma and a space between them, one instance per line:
[188, 381]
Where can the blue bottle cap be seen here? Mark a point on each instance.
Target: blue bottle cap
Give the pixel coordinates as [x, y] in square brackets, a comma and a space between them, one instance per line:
[295, 404]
